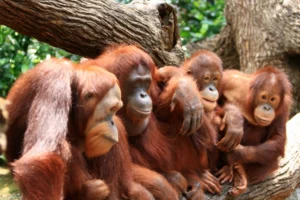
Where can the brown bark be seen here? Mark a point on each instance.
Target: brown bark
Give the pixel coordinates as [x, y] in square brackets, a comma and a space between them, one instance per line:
[87, 27]
[284, 181]
[260, 33]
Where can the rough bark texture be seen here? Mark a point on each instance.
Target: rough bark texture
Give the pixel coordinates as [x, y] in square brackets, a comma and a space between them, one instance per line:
[284, 181]
[87, 27]
[259, 33]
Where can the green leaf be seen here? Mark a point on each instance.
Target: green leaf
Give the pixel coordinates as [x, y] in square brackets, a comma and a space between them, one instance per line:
[24, 68]
[204, 29]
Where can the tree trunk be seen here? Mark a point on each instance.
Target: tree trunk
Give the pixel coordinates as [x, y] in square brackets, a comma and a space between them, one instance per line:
[260, 33]
[87, 27]
[284, 181]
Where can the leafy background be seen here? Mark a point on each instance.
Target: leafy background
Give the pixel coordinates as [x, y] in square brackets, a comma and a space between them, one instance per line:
[19, 53]
[198, 20]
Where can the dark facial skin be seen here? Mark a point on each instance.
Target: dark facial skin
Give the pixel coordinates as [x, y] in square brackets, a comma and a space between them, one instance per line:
[137, 101]
[207, 83]
[267, 101]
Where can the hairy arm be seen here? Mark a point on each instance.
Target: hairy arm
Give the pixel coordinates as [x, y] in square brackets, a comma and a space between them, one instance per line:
[43, 97]
[181, 97]
[266, 152]
[233, 121]
[49, 112]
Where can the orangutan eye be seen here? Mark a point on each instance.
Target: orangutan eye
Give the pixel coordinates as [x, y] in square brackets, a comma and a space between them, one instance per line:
[264, 97]
[273, 99]
[88, 96]
[189, 72]
[206, 78]
[215, 79]
[147, 83]
[138, 82]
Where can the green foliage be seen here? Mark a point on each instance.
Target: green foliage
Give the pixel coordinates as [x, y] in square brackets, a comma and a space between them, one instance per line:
[199, 19]
[19, 53]
[8, 188]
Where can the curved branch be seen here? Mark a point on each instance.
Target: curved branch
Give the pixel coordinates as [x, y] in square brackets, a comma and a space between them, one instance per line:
[87, 27]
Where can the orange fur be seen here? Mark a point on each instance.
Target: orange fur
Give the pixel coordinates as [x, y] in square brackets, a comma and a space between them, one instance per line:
[261, 146]
[150, 149]
[97, 142]
[45, 130]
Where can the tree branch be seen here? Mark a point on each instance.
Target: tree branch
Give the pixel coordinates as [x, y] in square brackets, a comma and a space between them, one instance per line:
[87, 27]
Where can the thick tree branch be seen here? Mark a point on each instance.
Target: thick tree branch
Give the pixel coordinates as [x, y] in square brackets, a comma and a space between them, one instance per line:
[87, 27]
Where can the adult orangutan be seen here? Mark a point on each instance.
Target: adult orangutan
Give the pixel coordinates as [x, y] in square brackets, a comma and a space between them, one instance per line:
[149, 147]
[264, 98]
[57, 111]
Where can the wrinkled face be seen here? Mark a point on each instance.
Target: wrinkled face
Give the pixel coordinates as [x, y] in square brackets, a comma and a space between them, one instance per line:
[267, 101]
[101, 132]
[207, 81]
[136, 89]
